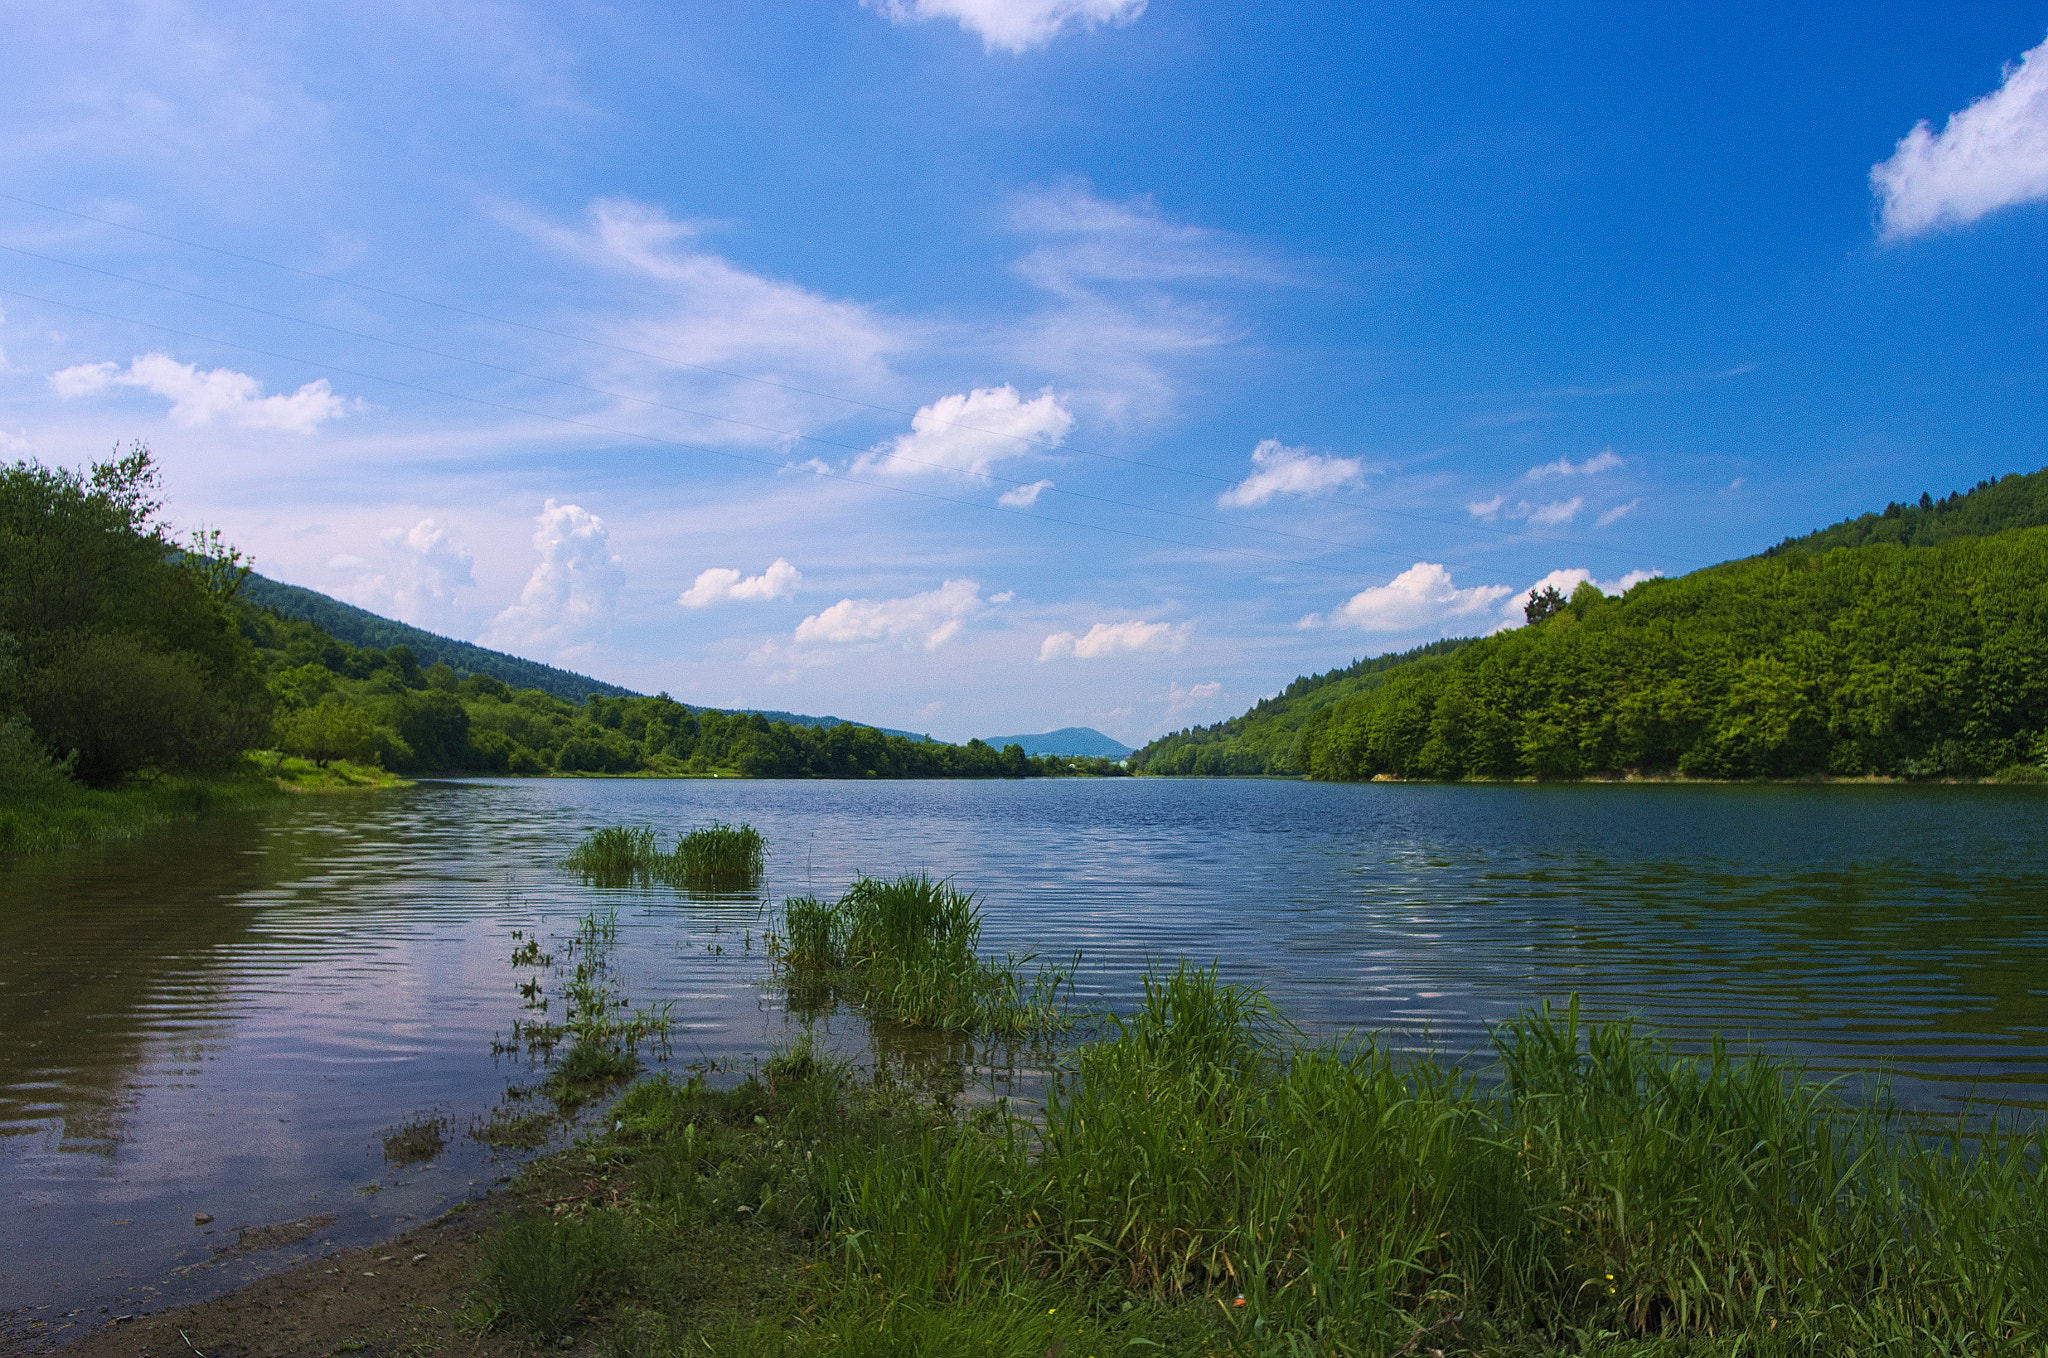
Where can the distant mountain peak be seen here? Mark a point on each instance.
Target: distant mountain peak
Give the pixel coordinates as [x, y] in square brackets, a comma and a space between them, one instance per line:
[1068, 740]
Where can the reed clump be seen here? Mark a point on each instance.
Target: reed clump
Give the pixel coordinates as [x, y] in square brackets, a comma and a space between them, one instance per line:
[719, 856]
[617, 855]
[907, 950]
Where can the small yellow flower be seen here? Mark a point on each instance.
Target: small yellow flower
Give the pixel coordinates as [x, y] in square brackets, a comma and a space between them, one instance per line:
[1052, 1310]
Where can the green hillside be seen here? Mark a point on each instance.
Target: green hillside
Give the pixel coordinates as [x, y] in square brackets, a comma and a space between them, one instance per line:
[362, 628]
[2015, 500]
[1909, 642]
[1888, 660]
[1263, 740]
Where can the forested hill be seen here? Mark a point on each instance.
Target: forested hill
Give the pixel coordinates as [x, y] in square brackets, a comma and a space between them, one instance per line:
[1886, 660]
[362, 628]
[2015, 500]
[1263, 740]
[1921, 650]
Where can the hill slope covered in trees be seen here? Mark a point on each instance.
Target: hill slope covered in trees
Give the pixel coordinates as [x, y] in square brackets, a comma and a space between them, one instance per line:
[1912, 642]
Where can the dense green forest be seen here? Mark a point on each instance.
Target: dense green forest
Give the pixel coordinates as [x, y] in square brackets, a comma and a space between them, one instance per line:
[126, 654]
[360, 627]
[1264, 740]
[2012, 501]
[335, 700]
[1908, 643]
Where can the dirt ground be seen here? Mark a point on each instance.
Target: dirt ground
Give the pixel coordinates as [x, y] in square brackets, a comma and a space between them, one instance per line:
[403, 1297]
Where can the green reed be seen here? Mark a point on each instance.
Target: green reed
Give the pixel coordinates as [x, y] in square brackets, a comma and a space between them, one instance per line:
[617, 855]
[719, 856]
[907, 951]
[1203, 1178]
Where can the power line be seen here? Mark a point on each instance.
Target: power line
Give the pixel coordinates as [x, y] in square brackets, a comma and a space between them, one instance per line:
[678, 443]
[708, 415]
[806, 391]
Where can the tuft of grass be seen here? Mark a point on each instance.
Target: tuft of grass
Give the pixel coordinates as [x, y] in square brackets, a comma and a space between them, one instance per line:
[616, 855]
[906, 950]
[542, 1270]
[719, 857]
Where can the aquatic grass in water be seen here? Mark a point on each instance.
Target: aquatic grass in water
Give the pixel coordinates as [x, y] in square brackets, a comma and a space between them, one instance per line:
[719, 856]
[617, 855]
[905, 950]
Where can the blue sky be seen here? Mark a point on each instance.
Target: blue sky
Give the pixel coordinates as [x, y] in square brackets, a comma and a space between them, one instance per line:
[997, 365]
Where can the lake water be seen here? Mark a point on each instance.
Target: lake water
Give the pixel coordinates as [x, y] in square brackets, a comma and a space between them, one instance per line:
[228, 1019]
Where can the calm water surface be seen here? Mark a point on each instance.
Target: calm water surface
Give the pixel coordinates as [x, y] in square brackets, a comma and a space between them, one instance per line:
[228, 1019]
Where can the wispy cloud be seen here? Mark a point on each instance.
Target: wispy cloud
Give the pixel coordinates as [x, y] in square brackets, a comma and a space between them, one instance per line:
[200, 398]
[1015, 26]
[1422, 596]
[1990, 155]
[1106, 639]
[722, 584]
[1617, 513]
[1279, 469]
[1023, 497]
[1604, 461]
[1183, 700]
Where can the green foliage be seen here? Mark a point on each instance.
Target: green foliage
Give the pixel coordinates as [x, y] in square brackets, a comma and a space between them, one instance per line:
[1883, 660]
[438, 719]
[616, 855]
[2011, 501]
[1204, 1180]
[542, 1269]
[124, 654]
[905, 950]
[1266, 739]
[720, 855]
[328, 731]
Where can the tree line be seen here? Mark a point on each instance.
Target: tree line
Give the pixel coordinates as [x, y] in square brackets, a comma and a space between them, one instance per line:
[126, 653]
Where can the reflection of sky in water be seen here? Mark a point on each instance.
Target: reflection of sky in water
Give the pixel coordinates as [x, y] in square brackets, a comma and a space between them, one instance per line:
[226, 1020]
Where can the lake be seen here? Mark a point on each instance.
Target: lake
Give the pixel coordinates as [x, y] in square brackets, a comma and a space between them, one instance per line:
[230, 1019]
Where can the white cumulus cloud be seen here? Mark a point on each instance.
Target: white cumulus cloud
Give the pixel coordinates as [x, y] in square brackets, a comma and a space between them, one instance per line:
[573, 592]
[1990, 155]
[1023, 497]
[1106, 639]
[1603, 461]
[970, 432]
[199, 398]
[929, 620]
[1280, 469]
[1015, 26]
[416, 578]
[1421, 596]
[722, 584]
[1487, 510]
[1565, 581]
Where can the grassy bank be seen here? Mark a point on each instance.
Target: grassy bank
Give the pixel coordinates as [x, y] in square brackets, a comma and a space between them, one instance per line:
[1202, 1180]
[64, 815]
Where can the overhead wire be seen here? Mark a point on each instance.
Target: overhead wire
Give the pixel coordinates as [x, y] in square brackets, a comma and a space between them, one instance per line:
[572, 337]
[664, 441]
[709, 415]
